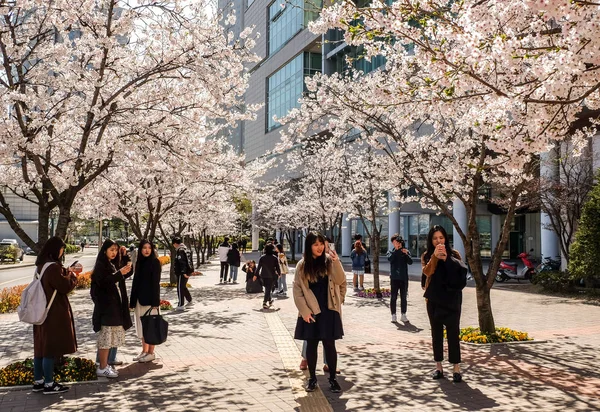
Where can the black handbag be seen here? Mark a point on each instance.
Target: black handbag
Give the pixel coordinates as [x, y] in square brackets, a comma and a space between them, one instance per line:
[367, 265]
[154, 328]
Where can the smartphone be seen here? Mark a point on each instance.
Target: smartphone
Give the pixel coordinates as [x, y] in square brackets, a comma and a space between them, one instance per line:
[74, 263]
[332, 247]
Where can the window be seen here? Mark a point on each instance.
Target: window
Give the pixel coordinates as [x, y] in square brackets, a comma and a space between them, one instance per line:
[285, 86]
[285, 22]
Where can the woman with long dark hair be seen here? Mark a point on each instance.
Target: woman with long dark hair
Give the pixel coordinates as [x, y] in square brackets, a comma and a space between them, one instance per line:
[318, 297]
[56, 336]
[145, 293]
[111, 306]
[445, 279]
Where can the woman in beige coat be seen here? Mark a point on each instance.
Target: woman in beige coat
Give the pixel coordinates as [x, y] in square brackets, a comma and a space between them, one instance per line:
[318, 298]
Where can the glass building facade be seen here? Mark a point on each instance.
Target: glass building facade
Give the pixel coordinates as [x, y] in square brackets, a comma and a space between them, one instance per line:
[285, 22]
[286, 85]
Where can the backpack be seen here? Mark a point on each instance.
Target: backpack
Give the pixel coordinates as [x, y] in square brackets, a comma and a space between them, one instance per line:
[33, 307]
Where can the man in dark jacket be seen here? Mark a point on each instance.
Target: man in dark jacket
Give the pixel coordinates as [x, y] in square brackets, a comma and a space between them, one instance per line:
[268, 270]
[399, 259]
[183, 267]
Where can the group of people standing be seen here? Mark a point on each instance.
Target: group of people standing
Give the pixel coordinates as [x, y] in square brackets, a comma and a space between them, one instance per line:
[110, 319]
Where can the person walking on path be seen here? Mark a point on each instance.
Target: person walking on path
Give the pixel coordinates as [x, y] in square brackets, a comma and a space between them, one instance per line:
[358, 257]
[56, 336]
[318, 298]
[111, 305]
[283, 265]
[268, 270]
[183, 268]
[399, 259]
[145, 294]
[223, 250]
[446, 277]
[234, 259]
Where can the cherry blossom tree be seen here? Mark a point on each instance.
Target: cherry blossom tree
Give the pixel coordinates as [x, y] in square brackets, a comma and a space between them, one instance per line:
[85, 82]
[471, 93]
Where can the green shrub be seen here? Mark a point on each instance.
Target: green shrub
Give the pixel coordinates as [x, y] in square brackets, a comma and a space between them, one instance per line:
[72, 249]
[9, 252]
[554, 281]
[585, 253]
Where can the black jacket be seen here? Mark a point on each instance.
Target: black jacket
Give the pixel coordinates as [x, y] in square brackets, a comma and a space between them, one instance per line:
[268, 267]
[109, 294]
[183, 261]
[446, 284]
[145, 287]
[233, 257]
[399, 262]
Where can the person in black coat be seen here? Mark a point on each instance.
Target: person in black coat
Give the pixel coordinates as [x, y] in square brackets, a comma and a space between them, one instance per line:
[446, 276]
[253, 284]
[145, 293]
[234, 259]
[183, 267]
[399, 259]
[268, 270]
[111, 306]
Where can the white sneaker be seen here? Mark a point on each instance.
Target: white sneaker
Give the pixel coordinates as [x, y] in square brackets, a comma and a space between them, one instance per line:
[179, 308]
[394, 319]
[112, 368]
[140, 356]
[190, 303]
[403, 318]
[106, 373]
[148, 358]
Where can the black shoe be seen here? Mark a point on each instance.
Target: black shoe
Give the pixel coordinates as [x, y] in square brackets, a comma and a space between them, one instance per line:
[38, 387]
[456, 377]
[54, 389]
[334, 386]
[271, 302]
[311, 385]
[265, 306]
[438, 374]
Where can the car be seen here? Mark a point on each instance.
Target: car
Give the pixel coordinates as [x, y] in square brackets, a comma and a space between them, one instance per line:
[10, 249]
[30, 252]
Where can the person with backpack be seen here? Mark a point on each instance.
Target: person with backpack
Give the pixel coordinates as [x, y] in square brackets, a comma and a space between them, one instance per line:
[223, 250]
[145, 294]
[183, 268]
[234, 259]
[268, 270]
[446, 277]
[55, 337]
[111, 306]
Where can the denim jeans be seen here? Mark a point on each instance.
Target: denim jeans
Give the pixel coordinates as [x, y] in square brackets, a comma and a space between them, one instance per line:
[233, 270]
[43, 368]
[281, 283]
[112, 355]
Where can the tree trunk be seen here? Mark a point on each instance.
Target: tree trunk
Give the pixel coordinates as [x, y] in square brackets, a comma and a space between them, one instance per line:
[484, 310]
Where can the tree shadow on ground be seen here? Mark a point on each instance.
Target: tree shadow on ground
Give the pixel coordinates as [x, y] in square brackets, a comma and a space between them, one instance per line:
[407, 327]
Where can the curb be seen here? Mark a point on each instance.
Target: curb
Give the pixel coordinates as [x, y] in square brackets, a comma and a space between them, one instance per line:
[17, 266]
[101, 381]
[523, 342]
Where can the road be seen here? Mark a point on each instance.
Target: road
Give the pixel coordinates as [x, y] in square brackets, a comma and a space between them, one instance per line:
[22, 273]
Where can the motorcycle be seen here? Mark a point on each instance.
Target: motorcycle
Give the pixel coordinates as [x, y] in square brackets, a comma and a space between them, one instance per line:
[549, 265]
[508, 270]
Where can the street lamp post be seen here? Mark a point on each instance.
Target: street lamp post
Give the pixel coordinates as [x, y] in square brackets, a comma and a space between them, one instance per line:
[52, 218]
[126, 226]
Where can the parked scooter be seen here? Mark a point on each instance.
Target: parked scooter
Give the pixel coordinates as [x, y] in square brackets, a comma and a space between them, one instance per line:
[549, 265]
[508, 270]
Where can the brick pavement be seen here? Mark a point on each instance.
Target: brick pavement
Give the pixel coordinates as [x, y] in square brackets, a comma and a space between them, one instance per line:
[225, 353]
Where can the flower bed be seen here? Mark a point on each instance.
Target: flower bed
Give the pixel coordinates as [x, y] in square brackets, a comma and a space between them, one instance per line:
[165, 305]
[10, 298]
[370, 293]
[172, 285]
[84, 280]
[164, 260]
[70, 369]
[474, 335]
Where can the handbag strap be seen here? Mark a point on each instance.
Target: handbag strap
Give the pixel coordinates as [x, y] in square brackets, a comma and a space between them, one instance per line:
[150, 310]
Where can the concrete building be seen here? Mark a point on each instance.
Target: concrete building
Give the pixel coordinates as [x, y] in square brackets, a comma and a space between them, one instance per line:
[26, 214]
[290, 52]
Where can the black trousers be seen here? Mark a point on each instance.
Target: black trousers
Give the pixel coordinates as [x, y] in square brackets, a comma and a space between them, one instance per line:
[401, 286]
[224, 270]
[268, 284]
[182, 291]
[438, 317]
[330, 354]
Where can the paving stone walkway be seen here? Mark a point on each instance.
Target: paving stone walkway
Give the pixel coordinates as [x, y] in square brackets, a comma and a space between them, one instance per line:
[226, 353]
